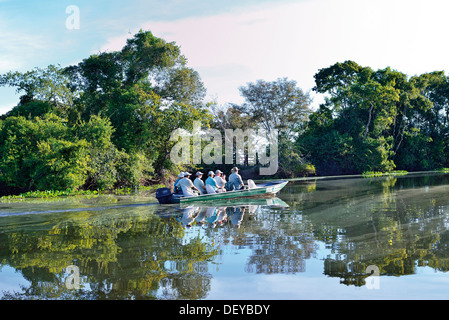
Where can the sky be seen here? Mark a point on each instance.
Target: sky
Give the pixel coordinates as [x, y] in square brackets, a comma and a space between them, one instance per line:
[231, 43]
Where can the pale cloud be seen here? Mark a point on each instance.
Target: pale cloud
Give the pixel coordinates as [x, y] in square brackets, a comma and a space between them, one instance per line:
[233, 48]
[18, 49]
[295, 40]
[18, 53]
[245, 43]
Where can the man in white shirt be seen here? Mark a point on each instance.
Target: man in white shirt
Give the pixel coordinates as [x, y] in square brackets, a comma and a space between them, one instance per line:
[220, 181]
[187, 186]
[199, 184]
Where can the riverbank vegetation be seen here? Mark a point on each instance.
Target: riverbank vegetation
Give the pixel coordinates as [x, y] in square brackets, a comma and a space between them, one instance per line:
[106, 122]
[378, 120]
[50, 194]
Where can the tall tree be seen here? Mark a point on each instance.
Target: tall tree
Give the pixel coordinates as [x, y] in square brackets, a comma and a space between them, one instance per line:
[278, 105]
[360, 107]
[134, 88]
[133, 97]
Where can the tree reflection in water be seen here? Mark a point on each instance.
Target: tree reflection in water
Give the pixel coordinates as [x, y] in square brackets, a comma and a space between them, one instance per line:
[396, 224]
[120, 255]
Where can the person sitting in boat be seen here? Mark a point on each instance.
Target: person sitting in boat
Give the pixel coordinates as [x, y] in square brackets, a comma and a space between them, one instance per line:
[187, 186]
[199, 184]
[211, 184]
[176, 186]
[220, 180]
[236, 179]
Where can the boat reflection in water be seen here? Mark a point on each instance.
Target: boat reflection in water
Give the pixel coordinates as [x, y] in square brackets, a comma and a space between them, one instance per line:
[223, 212]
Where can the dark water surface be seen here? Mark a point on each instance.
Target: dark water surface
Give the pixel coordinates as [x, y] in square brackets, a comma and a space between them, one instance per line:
[355, 238]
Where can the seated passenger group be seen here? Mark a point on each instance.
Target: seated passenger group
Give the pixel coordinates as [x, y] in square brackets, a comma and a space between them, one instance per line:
[215, 183]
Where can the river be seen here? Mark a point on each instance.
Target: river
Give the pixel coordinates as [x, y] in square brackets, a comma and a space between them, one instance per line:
[345, 238]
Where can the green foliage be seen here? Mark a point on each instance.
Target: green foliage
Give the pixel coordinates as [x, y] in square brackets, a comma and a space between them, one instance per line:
[144, 53]
[49, 194]
[41, 154]
[102, 172]
[178, 115]
[295, 166]
[370, 174]
[106, 122]
[147, 91]
[278, 105]
[30, 110]
[103, 123]
[377, 121]
[49, 85]
[133, 167]
[60, 164]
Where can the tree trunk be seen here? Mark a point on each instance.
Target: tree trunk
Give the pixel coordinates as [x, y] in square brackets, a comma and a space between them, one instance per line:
[369, 121]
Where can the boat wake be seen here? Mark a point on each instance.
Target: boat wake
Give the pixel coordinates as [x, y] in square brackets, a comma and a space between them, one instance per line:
[100, 208]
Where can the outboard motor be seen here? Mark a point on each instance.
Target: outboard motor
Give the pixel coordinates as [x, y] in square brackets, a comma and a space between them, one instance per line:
[164, 195]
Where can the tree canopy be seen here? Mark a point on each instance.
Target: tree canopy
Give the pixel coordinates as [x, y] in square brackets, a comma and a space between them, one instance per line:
[103, 122]
[377, 121]
[107, 121]
[278, 105]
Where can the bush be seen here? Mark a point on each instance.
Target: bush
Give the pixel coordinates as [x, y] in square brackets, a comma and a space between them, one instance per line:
[41, 154]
